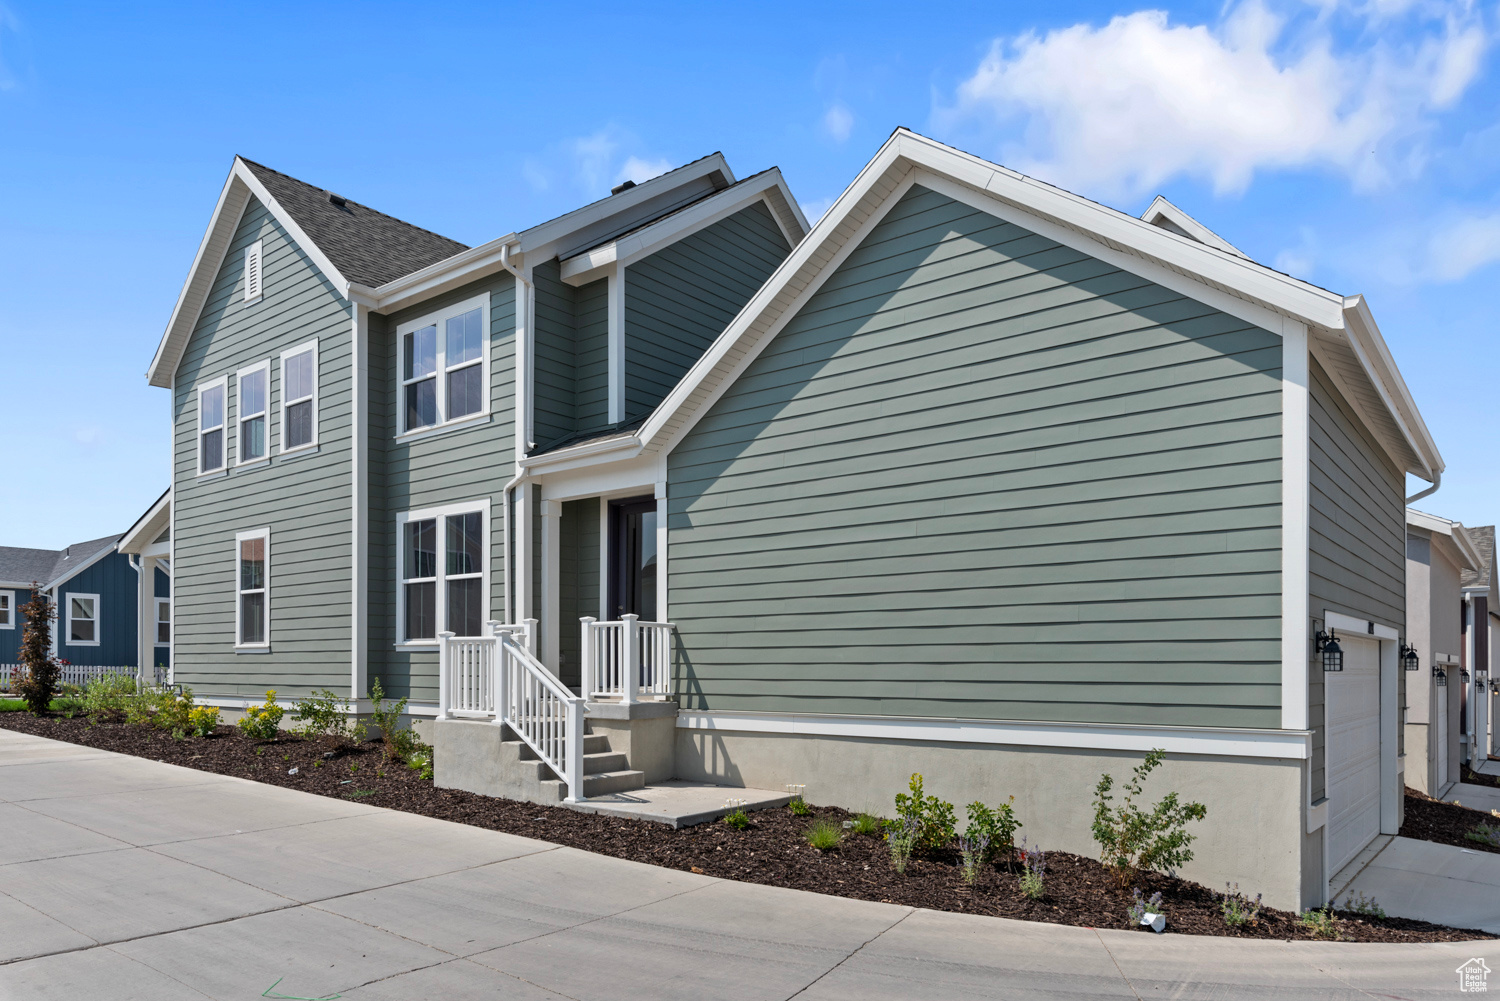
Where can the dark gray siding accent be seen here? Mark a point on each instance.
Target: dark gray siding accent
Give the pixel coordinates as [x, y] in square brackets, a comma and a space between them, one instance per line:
[1357, 532]
[591, 355]
[579, 580]
[554, 373]
[472, 463]
[682, 297]
[116, 615]
[983, 475]
[304, 498]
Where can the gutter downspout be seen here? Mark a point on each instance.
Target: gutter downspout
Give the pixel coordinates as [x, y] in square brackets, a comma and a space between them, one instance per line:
[1437, 481]
[140, 641]
[523, 407]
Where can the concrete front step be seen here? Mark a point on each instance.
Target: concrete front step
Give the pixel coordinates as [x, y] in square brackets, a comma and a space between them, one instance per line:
[608, 761]
[604, 783]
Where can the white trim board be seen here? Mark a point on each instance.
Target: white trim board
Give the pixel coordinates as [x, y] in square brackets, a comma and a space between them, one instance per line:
[1288, 744]
[1350, 627]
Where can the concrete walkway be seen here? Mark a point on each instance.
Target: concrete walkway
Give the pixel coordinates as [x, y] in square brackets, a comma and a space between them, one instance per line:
[1433, 882]
[122, 878]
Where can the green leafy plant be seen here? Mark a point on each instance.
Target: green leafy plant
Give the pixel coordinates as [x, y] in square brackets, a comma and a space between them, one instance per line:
[1237, 909]
[262, 722]
[1142, 906]
[203, 721]
[1365, 906]
[1131, 839]
[38, 667]
[420, 761]
[996, 827]
[321, 716]
[106, 698]
[736, 818]
[902, 836]
[69, 706]
[1033, 871]
[930, 817]
[1485, 834]
[972, 848]
[824, 835]
[797, 804]
[400, 743]
[1320, 923]
[865, 823]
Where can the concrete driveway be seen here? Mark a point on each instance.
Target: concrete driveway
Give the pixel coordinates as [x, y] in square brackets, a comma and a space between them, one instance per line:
[122, 878]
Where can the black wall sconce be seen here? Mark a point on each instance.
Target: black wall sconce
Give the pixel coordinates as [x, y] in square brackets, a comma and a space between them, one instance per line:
[1327, 644]
[1439, 675]
[1463, 674]
[1409, 659]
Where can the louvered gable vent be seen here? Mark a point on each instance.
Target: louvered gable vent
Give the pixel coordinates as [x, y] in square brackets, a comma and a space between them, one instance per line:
[252, 271]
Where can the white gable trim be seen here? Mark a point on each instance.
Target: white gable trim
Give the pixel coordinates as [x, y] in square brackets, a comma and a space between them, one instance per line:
[230, 210]
[1161, 208]
[148, 526]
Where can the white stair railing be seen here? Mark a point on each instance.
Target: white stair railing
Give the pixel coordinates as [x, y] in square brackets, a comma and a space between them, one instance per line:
[628, 659]
[466, 682]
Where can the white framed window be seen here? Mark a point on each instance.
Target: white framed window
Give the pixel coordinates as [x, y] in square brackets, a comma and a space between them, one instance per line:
[211, 408]
[253, 276]
[252, 589]
[163, 621]
[252, 410]
[299, 397]
[83, 619]
[7, 609]
[443, 365]
[442, 571]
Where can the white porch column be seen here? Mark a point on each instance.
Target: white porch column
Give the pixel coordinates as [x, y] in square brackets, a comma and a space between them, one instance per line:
[145, 602]
[551, 582]
[661, 552]
[525, 593]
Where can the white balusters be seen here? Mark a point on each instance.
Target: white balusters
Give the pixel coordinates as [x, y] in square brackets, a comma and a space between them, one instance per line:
[627, 660]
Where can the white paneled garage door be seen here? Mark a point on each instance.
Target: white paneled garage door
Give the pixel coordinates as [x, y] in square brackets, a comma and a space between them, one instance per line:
[1352, 714]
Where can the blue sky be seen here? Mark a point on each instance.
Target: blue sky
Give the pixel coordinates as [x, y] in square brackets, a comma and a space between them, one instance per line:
[1356, 145]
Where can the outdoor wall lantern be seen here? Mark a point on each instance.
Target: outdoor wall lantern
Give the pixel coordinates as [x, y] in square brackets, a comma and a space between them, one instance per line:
[1463, 674]
[1409, 659]
[1439, 675]
[1328, 645]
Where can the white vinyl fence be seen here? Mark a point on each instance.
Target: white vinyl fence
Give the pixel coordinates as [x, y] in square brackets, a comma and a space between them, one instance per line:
[74, 674]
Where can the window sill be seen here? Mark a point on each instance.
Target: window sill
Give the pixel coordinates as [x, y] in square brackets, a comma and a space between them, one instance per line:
[79, 643]
[416, 645]
[253, 463]
[213, 474]
[437, 429]
[252, 649]
[292, 453]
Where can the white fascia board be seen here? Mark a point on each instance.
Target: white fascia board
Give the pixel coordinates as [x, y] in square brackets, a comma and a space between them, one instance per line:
[449, 273]
[1357, 628]
[623, 478]
[1463, 546]
[151, 524]
[592, 453]
[595, 262]
[311, 249]
[1374, 356]
[1162, 208]
[1292, 744]
[83, 565]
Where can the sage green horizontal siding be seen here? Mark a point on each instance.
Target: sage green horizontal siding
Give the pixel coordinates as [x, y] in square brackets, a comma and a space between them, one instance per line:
[1357, 532]
[571, 376]
[983, 475]
[304, 498]
[591, 355]
[473, 463]
[578, 576]
[682, 297]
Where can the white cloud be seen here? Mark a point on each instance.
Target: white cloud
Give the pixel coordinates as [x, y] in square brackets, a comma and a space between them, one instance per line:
[1120, 109]
[815, 210]
[598, 162]
[1457, 250]
[838, 122]
[638, 170]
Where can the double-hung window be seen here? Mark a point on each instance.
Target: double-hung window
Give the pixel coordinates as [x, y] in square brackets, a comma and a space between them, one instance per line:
[254, 393]
[211, 425]
[83, 620]
[299, 396]
[252, 577]
[443, 365]
[163, 621]
[7, 609]
[443, 571]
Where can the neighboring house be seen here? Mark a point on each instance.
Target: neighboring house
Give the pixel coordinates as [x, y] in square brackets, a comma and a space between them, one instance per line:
[1439, 553]
[95, 591]
[1481, 623]
[978, 479]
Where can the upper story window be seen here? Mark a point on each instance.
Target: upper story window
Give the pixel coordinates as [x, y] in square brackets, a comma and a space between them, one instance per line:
[7, 609]
[83, 620]
[252, 575]
[299, 396]
[442, 574]
[253, 277]
[444, 365]
[211, 425]
[254, 385]
[163, 621]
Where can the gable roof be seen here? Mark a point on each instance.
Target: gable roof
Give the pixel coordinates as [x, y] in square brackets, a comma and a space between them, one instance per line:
[21, 567]
[1341, 331]
[1460, 543]
[1164, 215]
[1483, 538]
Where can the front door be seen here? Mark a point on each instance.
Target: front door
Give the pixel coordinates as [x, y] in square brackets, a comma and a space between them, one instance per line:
[632, 558]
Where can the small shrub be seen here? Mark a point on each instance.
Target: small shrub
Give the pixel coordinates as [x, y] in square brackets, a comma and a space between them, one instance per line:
[902, 837]
[262, 722]
[1033, 871]
[203, 721]
[174, 713]
[38, 667]
[930, 817]
[972, 848]
[400, 743]
[798, 805]
[1320, 923]
[1130, 839]
[1485, 834]
[69, 706]
[736, 818]
[824, 835]
[865, 823]
[1364, 906]
[421, 762]
[1143, 905]
[106, 698]
[996, 827]
[1238, 910]
[321, 716]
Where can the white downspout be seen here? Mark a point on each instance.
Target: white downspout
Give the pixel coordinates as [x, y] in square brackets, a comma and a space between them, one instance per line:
[1437, 481]
[523, 424]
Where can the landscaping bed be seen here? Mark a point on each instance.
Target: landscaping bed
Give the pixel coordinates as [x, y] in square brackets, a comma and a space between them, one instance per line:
[1429, 819]
[772, 850]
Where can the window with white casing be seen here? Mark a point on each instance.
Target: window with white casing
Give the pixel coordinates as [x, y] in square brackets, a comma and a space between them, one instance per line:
[7, 609]
[253, 394]
[443, 365]
[299, 397]
[253, 276]
[163, 622]
[252, 581]
[442, 571]
[83, 619]
[211, 407]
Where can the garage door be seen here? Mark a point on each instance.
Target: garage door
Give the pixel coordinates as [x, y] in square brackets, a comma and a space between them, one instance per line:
[1352, 714]
[1439, 714]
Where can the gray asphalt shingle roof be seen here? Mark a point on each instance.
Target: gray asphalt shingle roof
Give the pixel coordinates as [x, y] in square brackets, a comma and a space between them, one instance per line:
[1484, 541]
[368, 247]
[23, 566]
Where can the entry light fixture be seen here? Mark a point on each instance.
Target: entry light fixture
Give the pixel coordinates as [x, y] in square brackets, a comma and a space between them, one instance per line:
[1463, 674]
[1439, 675]
[1409, 659]
[1327, 644]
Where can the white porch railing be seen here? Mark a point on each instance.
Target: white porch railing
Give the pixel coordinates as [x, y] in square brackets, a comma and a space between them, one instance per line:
[497, 676]
[628, 659]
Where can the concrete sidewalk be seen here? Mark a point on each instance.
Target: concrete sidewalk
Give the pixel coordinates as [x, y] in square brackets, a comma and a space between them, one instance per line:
[123, 878]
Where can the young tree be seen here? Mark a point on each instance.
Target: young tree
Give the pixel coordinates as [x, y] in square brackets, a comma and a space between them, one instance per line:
[40, 676]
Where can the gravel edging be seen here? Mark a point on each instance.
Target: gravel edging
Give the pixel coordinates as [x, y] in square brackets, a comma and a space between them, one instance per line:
[1080, 891]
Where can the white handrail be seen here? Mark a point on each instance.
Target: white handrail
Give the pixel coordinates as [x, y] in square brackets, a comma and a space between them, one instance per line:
[466, 669]
[541, 711]
[626, 659]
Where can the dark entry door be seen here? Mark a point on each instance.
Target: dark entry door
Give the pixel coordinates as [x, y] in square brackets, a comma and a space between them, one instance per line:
[632, 557]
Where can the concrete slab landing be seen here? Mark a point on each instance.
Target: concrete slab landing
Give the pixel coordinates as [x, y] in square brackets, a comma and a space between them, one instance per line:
[680, 803]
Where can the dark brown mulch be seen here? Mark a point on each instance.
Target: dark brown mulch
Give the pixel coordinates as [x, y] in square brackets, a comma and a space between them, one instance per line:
[1474, 778]
[1079, 891]
[1447, 823]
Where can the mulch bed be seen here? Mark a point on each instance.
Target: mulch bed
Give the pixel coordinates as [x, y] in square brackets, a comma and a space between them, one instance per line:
[1447, 823]
[1079, 891]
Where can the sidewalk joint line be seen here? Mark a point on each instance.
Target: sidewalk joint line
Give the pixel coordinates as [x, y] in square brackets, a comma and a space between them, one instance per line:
[854, 952]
